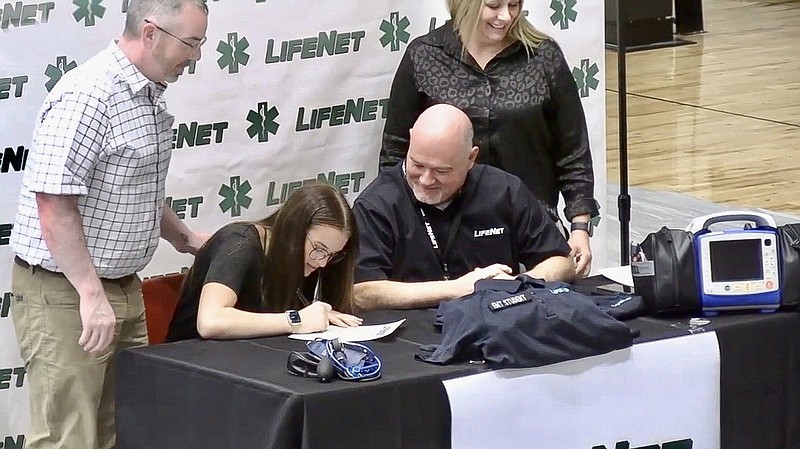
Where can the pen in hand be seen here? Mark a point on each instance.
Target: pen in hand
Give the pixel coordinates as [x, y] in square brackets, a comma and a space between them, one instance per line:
[339, 319]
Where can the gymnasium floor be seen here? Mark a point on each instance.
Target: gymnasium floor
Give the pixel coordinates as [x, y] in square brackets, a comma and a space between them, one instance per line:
[712, 126]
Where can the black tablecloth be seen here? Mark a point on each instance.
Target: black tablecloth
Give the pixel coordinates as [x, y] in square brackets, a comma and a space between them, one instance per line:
[238, 394]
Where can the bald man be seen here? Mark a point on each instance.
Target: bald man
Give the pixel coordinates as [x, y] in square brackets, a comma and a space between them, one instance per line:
[436, 223]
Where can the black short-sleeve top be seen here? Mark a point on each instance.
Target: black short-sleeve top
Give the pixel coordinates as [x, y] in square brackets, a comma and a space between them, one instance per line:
[234, 257]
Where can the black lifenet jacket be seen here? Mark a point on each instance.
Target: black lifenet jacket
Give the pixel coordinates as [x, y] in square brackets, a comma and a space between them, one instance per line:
[526, 112]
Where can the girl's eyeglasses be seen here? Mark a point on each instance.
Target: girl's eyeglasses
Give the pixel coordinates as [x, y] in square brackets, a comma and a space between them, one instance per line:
[318, 253]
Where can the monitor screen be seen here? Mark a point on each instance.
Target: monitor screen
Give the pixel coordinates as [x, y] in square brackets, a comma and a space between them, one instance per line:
[736, 260]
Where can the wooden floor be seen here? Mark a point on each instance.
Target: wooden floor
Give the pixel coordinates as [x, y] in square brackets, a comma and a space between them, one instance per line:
[720, 119]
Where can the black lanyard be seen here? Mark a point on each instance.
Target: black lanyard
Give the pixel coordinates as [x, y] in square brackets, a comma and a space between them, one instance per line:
[441, 253]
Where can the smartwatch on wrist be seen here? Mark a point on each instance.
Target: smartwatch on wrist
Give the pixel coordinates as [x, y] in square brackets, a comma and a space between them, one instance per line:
[293, 316]
[582, 226]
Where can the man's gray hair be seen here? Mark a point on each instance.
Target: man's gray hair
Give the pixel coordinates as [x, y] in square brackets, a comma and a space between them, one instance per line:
[138, 10]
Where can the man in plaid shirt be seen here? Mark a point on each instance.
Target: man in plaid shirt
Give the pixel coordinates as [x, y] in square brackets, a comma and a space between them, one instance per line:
[91, 211]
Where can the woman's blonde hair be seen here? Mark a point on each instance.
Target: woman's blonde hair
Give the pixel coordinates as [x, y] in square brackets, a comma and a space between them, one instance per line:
[467, 13]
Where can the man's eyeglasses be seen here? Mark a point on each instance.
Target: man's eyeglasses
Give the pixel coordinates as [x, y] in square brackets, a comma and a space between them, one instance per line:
[318, 253]
[193, 46]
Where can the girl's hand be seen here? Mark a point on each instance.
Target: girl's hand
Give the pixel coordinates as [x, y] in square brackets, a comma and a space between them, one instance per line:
[313, 318]
[343, 320]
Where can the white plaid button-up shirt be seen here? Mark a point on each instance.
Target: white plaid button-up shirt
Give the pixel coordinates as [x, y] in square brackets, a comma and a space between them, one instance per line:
[104, 134]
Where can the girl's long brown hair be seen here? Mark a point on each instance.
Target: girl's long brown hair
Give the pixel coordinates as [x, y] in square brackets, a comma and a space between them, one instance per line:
[312, 205]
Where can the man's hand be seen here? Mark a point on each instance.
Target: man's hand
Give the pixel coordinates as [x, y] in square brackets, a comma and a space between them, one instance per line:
[191, 242]
[179, 235]
[581, 252]
[98, 323]
[62, 230]
[466, 283]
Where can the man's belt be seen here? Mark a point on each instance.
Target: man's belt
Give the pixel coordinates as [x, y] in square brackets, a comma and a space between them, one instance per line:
[38, 268]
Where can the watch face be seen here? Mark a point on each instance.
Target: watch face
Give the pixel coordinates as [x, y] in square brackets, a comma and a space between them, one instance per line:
[294, 317]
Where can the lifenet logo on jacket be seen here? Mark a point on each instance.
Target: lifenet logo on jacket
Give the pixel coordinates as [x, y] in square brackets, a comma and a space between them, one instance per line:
[488, 232]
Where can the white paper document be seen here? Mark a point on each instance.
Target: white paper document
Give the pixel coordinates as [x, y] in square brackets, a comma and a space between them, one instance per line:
[620, 275]
[360, 333]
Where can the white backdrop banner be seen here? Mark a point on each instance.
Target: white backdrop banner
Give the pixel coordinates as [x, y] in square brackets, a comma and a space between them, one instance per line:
[287, 92]
[661, 394]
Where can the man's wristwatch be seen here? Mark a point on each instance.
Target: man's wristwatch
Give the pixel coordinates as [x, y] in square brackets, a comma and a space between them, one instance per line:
[582, 226]
[293, 316]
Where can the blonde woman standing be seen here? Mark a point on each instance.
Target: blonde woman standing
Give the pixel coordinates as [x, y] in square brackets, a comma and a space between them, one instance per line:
[517, 89]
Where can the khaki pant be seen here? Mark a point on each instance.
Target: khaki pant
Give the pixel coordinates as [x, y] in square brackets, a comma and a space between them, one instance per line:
[71, 391]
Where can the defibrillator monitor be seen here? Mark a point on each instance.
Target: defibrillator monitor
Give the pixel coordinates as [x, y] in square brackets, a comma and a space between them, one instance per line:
[738, 268]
